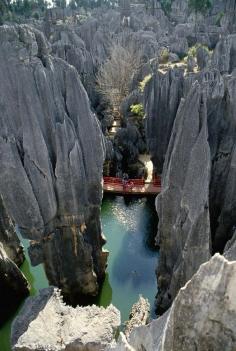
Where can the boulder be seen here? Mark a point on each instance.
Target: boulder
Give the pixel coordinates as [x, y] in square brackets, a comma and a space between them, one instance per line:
[46, 323]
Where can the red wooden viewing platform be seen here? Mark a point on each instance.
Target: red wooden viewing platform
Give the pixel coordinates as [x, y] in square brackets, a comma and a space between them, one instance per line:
[132, 186]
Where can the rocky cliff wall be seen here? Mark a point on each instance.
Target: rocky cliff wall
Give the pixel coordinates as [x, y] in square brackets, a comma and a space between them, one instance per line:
[202, 316]
[46, 323]
[9, 238]
[51, 157]
[162, 98]
[217, 83]
[182, 206]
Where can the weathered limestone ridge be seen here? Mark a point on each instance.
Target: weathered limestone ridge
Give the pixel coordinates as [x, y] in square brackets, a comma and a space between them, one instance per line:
[182, 206]
[202, 316]
[46, 323]
[139, 315]
[51, 157]
[162, 98]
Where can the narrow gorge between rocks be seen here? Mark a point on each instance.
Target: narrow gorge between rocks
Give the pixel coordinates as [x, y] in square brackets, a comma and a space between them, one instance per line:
[129, 225]
[118, 174]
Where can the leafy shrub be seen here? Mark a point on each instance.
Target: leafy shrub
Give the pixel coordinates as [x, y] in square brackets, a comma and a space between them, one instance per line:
[193, 50]
[137, 109]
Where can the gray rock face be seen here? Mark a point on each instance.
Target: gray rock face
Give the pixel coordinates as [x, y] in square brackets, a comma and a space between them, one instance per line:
[220, 94]
[67, 45]
[162, 97]
[182, 206]
[202, 57]
[51, 157]
[222, 128]
[46, 323]
[191, 64]
[224, 55]
[139, 315]
[226, 219]
[179, 46]
[179, 11]
[13, 286]
[230, 249]
[9, 238]
[202, 316]
[229, 19]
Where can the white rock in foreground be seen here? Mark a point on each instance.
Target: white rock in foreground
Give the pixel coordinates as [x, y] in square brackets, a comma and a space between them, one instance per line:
[202, 317]
[46, 323]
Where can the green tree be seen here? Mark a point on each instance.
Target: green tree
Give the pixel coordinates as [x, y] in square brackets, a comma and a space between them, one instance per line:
[200, 5]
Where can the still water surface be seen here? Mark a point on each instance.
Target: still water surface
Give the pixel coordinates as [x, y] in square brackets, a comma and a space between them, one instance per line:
[129, 226]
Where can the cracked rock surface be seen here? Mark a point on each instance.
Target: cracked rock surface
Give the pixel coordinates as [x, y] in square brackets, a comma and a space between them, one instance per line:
[202, 316]
[182, 206]
[46, 323]
[51, 157]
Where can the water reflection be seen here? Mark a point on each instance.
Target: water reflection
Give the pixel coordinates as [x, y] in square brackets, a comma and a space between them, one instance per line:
[130, 227]
[133, 262]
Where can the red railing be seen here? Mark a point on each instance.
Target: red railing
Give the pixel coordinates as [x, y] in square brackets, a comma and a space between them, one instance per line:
[157, 181]
[135, 182]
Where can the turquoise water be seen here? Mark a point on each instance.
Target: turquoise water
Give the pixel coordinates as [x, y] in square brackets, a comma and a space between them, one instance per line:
[129, 226]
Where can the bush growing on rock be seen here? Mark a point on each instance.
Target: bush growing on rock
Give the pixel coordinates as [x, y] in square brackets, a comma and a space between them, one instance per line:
[192, 52]
[137, 110]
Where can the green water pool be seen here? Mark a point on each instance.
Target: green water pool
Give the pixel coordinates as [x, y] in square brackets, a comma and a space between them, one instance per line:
[130, 227]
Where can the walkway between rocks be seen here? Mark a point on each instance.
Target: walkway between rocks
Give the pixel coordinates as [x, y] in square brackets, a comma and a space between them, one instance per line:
[146, 160]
